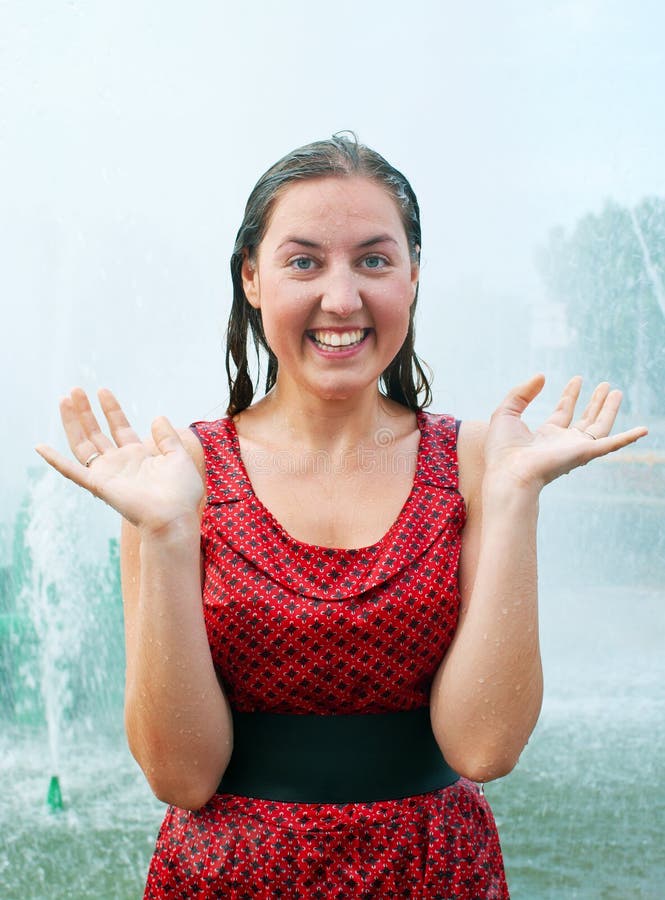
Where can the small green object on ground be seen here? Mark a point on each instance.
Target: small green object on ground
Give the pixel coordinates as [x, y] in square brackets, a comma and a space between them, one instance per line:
[54, 796]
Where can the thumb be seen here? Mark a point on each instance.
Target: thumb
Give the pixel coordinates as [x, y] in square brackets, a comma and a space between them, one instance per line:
[519, 397]
[165, 436]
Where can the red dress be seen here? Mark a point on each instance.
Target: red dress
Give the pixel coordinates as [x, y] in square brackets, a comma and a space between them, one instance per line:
[296, 628]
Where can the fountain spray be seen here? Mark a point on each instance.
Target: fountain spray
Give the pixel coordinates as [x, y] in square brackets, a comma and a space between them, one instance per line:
[56, 595]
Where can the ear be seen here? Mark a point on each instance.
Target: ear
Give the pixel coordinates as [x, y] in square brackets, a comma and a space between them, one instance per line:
[415, 272]
[250, 281]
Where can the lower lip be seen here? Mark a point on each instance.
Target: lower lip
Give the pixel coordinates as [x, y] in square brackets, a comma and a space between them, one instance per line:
[340, 352]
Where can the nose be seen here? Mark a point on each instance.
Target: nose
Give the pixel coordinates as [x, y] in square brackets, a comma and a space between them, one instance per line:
[341, 294]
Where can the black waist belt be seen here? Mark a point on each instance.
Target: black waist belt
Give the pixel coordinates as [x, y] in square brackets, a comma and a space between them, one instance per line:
[334, 759]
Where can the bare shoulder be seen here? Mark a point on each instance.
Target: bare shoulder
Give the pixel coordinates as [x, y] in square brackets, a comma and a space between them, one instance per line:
[471, 458]
[471, 437]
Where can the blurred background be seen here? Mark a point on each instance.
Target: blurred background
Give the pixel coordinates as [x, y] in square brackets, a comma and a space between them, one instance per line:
[130, 137]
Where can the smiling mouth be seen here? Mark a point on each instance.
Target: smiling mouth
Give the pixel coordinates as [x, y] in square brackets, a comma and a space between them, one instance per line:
[333, 341]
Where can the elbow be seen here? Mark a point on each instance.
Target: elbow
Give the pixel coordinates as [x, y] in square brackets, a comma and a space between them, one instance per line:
[483, 751]
[485, 768]
[187, 783]
[186, 788]
[191, 796]
[481, 760]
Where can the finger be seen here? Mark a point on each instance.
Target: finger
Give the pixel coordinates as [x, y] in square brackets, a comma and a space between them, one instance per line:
[166, 437]
[81, 445]
[121, 431]
[594, 405]
[71, 470]
[604, 445]
[517, 400]
[565, 408]
[89, 422]
[607, 414]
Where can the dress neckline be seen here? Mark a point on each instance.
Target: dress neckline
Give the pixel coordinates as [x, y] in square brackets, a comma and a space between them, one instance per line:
[421, 419]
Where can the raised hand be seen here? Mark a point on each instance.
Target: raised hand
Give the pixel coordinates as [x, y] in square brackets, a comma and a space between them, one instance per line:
[562, 443]
[151, 487]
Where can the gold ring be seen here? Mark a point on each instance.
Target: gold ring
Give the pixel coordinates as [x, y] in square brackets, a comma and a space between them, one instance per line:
[91, 459]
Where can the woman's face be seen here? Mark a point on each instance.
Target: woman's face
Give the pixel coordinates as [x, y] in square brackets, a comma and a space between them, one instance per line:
[334, 281]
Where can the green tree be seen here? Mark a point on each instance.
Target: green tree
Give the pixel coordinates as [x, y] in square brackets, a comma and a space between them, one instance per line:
[610, 275]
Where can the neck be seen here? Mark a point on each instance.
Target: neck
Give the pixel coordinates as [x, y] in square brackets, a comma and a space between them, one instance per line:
[317, 424]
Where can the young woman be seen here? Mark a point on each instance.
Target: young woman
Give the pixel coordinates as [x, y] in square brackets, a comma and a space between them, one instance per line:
[330, 595]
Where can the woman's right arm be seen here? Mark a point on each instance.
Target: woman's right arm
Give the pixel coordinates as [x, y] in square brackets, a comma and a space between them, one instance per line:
[177, 718]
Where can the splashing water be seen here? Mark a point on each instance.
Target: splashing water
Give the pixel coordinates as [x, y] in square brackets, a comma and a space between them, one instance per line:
[56, 596]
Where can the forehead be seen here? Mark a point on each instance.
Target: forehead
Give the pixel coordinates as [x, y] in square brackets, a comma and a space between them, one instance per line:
[335, 203]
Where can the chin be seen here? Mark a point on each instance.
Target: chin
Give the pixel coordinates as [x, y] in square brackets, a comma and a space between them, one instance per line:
[340, 391]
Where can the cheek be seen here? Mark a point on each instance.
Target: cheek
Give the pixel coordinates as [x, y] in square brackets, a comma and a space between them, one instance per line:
[396, 304]
[285, 315]
[397, 318]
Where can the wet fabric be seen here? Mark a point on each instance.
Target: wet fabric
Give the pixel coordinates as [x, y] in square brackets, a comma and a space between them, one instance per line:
[300, 629]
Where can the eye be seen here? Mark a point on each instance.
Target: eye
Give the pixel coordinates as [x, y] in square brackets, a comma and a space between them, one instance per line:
[302, 263]
[375, 262]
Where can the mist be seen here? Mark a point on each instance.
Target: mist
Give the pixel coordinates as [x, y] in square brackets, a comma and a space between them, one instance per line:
[133, 134]
[130, 137]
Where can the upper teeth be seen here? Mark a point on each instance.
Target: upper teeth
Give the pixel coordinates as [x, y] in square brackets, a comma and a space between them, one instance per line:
[335, 339]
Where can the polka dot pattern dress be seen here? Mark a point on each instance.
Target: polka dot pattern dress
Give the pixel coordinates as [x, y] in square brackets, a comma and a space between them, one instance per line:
[300, 629]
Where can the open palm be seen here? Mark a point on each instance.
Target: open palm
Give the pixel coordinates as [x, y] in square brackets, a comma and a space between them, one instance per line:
[562, 442]
[151, 487]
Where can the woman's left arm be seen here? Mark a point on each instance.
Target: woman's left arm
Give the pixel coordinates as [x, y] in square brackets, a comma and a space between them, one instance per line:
[487, 693]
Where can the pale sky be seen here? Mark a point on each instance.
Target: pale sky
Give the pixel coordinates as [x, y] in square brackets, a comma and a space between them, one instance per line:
[132, 132]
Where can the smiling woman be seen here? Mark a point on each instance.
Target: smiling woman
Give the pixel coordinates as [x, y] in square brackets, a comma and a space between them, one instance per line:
[342, 160]
[334, 281]
[324, 658]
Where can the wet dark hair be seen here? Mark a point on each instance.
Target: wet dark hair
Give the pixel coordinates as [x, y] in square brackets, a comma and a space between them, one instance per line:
[404, 380]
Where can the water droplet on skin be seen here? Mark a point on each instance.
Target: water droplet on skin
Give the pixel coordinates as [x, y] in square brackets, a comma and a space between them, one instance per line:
[481, 681]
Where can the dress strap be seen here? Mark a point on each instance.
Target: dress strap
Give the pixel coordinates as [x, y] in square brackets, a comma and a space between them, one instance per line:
[226, 479]
[437, 461]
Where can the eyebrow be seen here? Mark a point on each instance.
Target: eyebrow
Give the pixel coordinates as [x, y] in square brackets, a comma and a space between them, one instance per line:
[303, 242]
